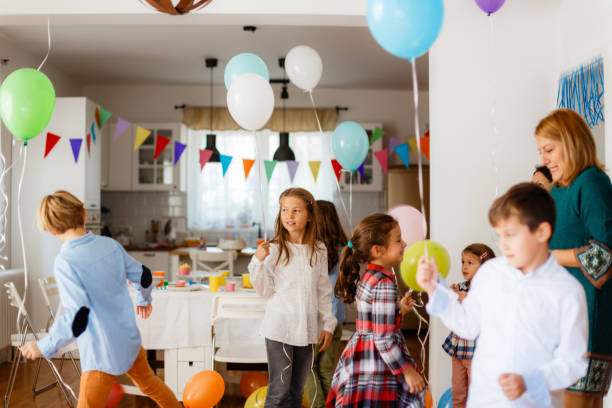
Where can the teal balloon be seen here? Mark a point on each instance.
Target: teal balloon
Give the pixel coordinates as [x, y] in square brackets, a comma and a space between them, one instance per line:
[405, 28]
[446, 400]
[244, 64]
[27, 101]
[350, 145]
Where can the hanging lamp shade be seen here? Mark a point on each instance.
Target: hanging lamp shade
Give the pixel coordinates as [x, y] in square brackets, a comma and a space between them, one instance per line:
[211, 144]
[176, 7]
[284, 152]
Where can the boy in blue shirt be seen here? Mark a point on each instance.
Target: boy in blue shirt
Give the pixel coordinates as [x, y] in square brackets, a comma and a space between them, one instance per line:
[91, 273]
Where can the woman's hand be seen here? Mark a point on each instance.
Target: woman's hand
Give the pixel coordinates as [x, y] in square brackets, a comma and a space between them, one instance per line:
[406, 304]
[263, 250]
[144, 311]
[513, 385]
[30, 351]
[325, 340]
[415, 381]
[427, 275]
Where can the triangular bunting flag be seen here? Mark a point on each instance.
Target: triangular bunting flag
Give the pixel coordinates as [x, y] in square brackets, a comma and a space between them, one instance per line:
[204, 157]
[141, 136]
[292, 166]
[88, 144]
[179, 148]
[76, 148]
[425, 145]
[393, 141]
[403, 153]
[383, 158]
[314, 168]
[160, 144]
[376, 134]
[248, 165]
[121, 127]
[361, 170]
[102, 116]
[93, 131]
[225, 162]
[413, 146]
[270, 165]
[52, 140]
[97, 116]
[337, 168]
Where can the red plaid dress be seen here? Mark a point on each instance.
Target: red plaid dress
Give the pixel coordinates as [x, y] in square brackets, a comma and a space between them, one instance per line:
[369, 373]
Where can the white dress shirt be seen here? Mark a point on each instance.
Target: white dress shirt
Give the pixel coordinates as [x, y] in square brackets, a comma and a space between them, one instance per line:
[534, 325]
[299, 295]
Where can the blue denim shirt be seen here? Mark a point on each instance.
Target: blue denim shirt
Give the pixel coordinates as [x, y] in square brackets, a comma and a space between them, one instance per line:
[338, 308]
[91, 273]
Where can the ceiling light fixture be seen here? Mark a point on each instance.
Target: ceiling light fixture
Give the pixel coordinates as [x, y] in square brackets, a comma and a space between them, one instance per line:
[211, 138]
[176, 7]
[284, 152]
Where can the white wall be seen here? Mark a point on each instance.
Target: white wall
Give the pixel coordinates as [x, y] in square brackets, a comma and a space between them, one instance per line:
[505, 62]
[155, 103]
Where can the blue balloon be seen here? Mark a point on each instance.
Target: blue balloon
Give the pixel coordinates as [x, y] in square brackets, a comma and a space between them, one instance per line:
[350, 145]
[244, 64]
[405, 28]
[446, 400]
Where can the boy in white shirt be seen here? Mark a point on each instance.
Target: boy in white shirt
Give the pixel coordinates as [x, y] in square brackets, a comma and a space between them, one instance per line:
[528, 313]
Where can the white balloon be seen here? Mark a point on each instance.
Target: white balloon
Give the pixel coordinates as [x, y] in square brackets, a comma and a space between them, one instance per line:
[250, 100]
[304, 67]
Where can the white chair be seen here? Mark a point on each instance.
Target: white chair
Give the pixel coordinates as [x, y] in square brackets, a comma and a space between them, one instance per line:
[17, 340]
[221, 261]
[48, 288]
[238, 307]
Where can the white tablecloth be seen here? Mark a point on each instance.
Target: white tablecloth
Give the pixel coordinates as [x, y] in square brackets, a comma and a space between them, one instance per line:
[182, 319]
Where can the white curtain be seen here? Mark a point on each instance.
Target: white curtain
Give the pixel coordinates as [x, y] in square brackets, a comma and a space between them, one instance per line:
[218, 203]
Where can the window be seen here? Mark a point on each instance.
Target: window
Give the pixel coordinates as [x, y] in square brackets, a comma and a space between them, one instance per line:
[222, 203]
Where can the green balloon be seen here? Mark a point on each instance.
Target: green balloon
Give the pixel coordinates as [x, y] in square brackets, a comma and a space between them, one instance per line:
[408, 267]
[27, 100]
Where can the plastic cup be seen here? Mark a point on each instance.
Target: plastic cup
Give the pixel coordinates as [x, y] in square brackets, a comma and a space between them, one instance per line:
[224, 274]
[246, 281]
[215, 283]
[230, 286]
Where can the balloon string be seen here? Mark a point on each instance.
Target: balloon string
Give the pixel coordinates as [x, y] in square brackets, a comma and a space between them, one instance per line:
[493, 112]
[346, 213]
[415, 87]
[49, 43]
[24, 154]
[261, 194]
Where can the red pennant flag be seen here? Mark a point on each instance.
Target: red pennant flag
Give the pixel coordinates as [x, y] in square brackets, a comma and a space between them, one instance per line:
[337, 168]
[88, 144]
[50, 143]
[160, 144]
[382, 157]
[98, 117]
[204, 157]
[425, 144]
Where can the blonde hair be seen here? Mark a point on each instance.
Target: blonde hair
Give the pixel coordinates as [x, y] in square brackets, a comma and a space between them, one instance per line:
[60, 212]
[311, 235]
[572, 131]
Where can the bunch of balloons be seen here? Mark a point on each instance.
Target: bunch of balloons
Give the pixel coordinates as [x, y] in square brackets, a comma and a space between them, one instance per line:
[27, 101]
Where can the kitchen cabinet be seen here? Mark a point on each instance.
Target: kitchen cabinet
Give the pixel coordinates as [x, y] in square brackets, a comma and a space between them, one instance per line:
[154, 260]
[116, 158]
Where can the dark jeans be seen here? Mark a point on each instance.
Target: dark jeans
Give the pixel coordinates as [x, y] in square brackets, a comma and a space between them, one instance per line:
[287, 392]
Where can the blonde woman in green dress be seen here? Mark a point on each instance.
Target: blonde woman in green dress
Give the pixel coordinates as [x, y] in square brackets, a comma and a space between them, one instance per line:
[582, 238]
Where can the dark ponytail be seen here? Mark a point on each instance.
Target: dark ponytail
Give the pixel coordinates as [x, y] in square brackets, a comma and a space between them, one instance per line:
[372, 230]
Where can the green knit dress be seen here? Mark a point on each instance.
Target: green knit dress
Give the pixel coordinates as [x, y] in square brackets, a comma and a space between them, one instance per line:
[584, 223]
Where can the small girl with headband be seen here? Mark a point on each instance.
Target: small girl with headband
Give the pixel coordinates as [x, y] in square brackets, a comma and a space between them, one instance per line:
[375, 369]
[462, 350]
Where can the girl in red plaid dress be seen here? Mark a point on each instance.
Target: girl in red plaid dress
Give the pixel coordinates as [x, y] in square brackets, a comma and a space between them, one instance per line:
[375, 369]
[462, 350]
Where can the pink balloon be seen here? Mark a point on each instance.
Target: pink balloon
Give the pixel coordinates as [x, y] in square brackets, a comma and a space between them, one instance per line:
[411, 223]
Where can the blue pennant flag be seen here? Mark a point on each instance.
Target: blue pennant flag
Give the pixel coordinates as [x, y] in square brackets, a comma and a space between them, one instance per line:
[403, 151]
[225, 162]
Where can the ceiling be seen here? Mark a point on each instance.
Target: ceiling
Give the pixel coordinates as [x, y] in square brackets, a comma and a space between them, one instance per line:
[174, 54]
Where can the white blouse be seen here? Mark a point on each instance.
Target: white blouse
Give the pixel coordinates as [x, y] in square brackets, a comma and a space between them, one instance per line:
[299, 295]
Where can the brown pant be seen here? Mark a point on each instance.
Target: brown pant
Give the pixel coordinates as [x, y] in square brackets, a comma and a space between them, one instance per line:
[96, 385]
[579, 400]
[461, 381]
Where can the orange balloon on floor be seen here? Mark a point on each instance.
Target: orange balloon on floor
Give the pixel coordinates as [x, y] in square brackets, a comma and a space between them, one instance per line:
[251, 381]
[114, 397]
[204, 390]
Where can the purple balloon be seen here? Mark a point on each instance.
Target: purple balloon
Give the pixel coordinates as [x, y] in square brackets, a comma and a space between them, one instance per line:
[490, 6]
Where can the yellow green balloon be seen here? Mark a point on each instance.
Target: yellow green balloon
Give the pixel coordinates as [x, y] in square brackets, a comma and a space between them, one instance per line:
[257, 398]
[27, 101]
[408, 267]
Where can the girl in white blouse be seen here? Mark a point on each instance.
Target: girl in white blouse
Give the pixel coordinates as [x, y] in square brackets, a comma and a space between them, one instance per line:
[291, 272]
